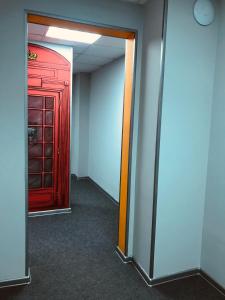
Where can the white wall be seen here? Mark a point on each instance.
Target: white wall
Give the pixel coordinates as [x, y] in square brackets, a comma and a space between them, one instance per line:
[75, 126]
[186, 115]
[105, 126]
[213, 249]
[80, 130]
[13, 107]
[98, 114]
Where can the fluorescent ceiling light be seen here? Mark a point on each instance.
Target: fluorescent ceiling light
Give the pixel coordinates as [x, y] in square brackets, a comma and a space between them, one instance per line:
[72, 35]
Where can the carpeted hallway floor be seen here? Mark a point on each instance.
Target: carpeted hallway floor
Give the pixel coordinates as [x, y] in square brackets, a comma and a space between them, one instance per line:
[72, 257]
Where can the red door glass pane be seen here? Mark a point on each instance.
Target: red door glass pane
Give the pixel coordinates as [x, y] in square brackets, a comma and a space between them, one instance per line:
[49, 102]
[48, 150]
[35, 117]
[35, 181]
[48, 165]
[35, 165]
[49, 117]
[48, 134]
[48, 180]
[35, 150]
[35, 102]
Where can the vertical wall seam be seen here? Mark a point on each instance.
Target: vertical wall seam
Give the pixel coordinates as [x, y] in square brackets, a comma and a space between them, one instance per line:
[157, 145]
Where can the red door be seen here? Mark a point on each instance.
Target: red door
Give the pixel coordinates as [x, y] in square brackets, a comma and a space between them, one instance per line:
[48, 129]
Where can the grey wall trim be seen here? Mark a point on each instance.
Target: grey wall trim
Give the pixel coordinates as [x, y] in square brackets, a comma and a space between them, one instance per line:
[166, 279]
[142, 273]
[79, 178]
[26, 147]
[157, 147]
[162, 280]
[103, 191]
[125, 259]
[97, 186]
[21, 281]
[212, 282]
[174, 277]
[186, 274]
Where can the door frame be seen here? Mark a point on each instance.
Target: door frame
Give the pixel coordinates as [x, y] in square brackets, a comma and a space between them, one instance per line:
[128, 106]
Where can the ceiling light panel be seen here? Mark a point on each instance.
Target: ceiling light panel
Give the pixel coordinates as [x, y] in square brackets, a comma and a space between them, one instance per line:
[72, 35]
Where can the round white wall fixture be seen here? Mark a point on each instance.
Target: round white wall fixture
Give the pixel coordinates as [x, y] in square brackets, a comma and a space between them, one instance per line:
[204, 12]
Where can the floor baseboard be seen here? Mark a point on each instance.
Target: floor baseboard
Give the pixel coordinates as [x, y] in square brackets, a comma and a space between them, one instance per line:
[142, 273]
[174, 277]
[103, 191]
[16, 282]
[162, 280]
[212, 282]
[43, 213]
[97, 186]
[82, 178]
[125, 259]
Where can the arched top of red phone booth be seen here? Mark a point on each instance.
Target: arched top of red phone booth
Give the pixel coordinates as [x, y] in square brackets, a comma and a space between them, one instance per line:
[40, 54]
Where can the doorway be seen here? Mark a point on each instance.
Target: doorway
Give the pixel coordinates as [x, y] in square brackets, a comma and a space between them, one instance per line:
[127, 110]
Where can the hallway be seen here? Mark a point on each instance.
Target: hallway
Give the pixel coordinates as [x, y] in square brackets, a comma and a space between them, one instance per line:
[72, 257]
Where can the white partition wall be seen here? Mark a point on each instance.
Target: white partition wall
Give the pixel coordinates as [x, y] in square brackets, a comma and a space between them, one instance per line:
[213, 247]
[105, 126]
[186, 116]
[97, 125]
[190, 205]
[80, 125]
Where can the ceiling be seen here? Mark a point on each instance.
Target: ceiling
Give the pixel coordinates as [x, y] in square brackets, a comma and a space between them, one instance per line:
[136, 1]
[86, 58]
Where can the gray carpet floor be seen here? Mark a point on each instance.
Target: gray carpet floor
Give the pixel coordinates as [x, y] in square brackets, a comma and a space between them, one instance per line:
[72, 257]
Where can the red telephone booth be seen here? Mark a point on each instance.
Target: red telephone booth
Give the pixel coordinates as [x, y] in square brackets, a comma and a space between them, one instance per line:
[48, 129]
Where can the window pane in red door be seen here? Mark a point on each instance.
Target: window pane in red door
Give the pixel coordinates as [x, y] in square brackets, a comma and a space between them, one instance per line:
[48, 165]
[35, 165]
[48, 180]
[48, 134]
[34, 181]
[49, 102]
[49, 117]
[35, 150]
[48, 150]
[39, 136]
[35, 117]
[35, 102]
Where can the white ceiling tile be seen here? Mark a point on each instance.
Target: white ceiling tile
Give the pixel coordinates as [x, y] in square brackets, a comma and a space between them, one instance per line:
[37, 29]
[78, 49]
[90, 59]
[55, 41]
[80, 45]
[81, 67]
[34, 37]
[110, 52]
[110, 41]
